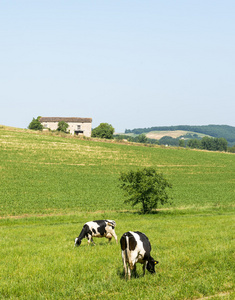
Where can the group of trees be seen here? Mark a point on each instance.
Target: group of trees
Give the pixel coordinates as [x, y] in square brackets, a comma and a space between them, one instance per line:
[208, 143]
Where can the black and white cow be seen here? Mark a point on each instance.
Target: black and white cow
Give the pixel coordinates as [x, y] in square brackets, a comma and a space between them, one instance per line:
[100, 228]
[136, 249]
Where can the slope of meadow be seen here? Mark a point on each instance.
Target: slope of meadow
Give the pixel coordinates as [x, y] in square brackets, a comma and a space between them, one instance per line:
[44, 173]
[52, 185]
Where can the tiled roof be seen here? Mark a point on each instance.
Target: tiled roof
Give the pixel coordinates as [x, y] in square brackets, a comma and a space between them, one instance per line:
[67, 120]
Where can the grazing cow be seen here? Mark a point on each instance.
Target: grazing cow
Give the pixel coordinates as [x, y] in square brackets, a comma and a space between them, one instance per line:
[136, 249]
[100, 228]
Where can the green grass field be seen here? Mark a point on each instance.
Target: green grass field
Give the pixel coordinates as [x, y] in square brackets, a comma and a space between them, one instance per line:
[52, 185]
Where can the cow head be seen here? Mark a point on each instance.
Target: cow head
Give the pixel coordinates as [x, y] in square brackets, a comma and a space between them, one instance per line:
[77, 242]
[151, 265]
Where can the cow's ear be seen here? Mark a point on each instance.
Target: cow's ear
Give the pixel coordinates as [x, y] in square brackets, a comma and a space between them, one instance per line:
[156, 262]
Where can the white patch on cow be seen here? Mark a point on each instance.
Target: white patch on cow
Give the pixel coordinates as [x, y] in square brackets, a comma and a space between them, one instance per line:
[94, 225]
[138, 254]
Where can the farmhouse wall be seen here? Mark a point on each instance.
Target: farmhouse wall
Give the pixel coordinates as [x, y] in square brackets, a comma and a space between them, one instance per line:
[78, 126]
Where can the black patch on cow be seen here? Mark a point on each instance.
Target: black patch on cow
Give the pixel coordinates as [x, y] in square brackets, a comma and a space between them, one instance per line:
[87, 230]
[101, 229]
[123, 242]
[84, 232]
[132, 241]
[100, 222]
[146, 244]
[94, 231]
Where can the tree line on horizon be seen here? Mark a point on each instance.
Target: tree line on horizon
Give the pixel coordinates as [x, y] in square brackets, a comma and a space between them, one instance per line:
[206, 143]
[216, 131]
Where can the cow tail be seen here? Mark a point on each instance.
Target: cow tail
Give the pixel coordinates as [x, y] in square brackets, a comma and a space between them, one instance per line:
[127, 251]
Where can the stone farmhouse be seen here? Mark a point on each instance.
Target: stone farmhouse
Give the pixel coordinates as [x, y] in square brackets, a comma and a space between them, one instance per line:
[77, 126]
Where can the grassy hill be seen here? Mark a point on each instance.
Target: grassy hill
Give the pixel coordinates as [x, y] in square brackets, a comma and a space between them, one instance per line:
[44, 173]
[51, 185]
[216, 131]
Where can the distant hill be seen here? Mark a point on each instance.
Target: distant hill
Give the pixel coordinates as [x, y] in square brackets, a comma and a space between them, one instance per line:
[217, 131]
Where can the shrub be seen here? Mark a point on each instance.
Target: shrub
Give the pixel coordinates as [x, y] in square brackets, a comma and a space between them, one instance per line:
[62, 126]
[35, 124]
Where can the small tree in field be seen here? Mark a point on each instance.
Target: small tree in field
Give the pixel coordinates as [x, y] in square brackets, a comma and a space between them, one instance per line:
[145, 186]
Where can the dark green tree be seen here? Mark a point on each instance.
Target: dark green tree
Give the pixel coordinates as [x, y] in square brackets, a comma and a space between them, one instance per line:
[214, 144]
[168, 140]
[221, 144]
[231, 149]
[104, 131]
[35, 124]
[145, 186]
[63, 126]
[207, 143]
[182, 143]
[142, 138]
[194, 143]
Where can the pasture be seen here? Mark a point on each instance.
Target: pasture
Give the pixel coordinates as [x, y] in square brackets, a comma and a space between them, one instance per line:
[52, 185]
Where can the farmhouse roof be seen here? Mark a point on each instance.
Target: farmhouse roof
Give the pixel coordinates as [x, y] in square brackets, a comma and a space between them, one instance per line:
[69, 120]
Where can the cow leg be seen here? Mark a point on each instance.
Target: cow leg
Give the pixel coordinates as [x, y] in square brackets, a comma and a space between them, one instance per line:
[134, 271]
[109, 237]
[90, 239]
[124, 262]
[115, 236]
[112, 233]
[129, 272]
[144, 267]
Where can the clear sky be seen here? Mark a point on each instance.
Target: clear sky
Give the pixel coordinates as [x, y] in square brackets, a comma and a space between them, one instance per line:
[129, 63]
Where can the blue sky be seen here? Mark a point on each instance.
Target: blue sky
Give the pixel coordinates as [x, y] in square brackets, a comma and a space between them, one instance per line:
[130, 63]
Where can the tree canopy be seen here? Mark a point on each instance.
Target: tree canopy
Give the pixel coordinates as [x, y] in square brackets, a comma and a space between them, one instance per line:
[104, 131]
[35, 124]
[145, 186]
